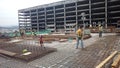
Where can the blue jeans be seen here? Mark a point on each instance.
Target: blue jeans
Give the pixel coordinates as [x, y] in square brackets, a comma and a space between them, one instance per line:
[81, 42]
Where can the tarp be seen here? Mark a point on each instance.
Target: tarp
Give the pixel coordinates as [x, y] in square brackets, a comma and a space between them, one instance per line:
[29, 33]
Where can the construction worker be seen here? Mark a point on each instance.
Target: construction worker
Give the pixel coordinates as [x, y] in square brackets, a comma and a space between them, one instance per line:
[41, 41]
[100, 30]
[79, 38]
[33, 34]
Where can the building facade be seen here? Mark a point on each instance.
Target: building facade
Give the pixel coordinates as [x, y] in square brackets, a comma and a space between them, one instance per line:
[63, 15]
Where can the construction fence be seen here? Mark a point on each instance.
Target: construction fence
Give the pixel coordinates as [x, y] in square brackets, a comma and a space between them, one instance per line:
[13, 34]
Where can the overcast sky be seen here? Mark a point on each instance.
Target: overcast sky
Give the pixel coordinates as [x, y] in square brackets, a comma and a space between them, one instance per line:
[9, 9]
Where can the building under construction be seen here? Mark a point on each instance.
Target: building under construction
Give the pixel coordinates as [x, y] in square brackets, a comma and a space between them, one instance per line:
[63, 15]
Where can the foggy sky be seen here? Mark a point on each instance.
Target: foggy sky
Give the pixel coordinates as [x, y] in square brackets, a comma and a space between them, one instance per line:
[9, 9]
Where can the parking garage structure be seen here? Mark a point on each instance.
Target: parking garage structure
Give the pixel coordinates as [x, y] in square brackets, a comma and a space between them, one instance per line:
[64, 15]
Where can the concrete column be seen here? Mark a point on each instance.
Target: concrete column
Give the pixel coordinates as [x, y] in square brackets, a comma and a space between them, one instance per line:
[45, 18]
[76, 17]
[37, 20]
[90, 13]
[106, 13]
[30, 20]
[54, 19]
[64, 19]
[25, 23]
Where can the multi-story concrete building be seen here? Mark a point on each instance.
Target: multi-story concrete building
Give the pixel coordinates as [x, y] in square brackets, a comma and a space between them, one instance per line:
[64, 14]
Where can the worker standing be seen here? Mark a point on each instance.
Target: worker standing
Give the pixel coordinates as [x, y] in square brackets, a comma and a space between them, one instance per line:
[33, 34]
[100, 30]
[79, 38]
[41, 41]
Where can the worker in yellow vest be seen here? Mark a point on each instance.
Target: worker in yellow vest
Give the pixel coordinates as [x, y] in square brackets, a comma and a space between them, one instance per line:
[79, 38]
[100, 30]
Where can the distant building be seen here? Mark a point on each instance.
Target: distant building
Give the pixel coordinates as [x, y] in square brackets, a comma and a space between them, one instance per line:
[5, 30]
[8, 29]
[62, 15]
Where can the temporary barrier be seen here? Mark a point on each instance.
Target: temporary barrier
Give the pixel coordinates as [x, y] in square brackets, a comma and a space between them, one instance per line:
[12, 34]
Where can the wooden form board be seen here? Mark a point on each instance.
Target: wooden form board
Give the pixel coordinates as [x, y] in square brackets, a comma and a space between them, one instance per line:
[106, 60]
[7, 52]
[116, 62]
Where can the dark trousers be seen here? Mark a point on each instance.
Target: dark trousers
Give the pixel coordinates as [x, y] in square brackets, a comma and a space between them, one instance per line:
[100, 33]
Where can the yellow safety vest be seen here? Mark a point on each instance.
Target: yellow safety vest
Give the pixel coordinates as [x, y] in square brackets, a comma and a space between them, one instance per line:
[79, 32]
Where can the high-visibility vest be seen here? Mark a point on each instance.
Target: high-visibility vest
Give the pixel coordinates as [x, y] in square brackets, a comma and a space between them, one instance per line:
[100, 28]
[79, 32]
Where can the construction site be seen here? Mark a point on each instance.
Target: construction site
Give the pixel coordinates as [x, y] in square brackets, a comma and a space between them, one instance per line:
[56, 24]
[59, 51]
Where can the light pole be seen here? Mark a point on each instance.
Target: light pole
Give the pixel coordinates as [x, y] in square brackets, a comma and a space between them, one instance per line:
[83, 19]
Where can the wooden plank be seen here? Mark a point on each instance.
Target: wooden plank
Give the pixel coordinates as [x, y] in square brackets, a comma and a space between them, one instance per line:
[7, 52]
[27, 53]
[106, 60]
[63, 40]
[116, 62]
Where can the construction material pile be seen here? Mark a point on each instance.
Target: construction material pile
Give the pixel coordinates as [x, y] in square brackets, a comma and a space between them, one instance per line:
[59, 37]
[24, 52]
